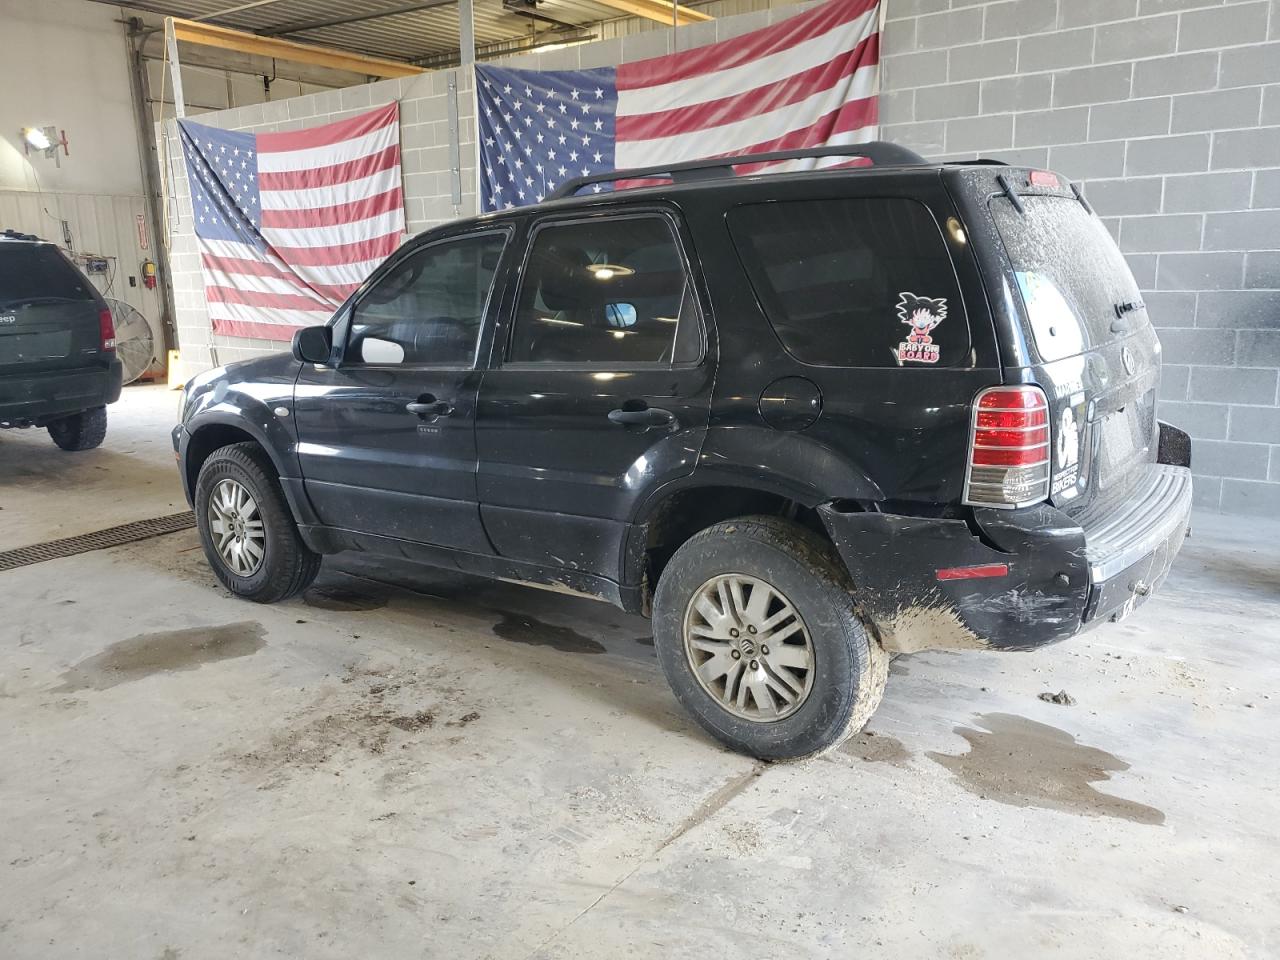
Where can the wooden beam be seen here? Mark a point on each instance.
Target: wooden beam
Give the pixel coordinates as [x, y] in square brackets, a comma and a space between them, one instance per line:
[660, 10]
[224, 38]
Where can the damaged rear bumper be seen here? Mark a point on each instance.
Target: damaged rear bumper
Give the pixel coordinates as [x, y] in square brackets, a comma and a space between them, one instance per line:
[1010, 580]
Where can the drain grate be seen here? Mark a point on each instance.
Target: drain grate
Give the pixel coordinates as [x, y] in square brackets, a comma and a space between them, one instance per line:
[99, 540]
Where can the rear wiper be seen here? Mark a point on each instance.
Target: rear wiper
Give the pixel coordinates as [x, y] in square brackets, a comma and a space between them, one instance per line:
[1008, 192]
[1121, 322]
[1075, 188]
[36, 301]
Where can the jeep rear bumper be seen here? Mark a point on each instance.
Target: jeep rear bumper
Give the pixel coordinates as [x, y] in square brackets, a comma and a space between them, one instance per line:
[38, 398]
[1011, 580]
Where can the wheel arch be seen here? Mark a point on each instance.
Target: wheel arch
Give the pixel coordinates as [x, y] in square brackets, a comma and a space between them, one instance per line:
[680, 510]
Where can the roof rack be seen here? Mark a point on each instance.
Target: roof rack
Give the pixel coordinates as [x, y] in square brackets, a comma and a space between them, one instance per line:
[17, 235]
[879, 152]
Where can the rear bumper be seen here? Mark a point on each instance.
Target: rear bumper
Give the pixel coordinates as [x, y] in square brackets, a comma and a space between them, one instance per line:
[1130, 551]
[39, 398]
[1047, 578]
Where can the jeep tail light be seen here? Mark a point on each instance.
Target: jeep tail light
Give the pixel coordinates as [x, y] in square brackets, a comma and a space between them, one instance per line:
[106, 330]
[1008, 448]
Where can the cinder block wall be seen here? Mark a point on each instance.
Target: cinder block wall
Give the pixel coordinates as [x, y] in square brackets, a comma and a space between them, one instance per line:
[1169, 111]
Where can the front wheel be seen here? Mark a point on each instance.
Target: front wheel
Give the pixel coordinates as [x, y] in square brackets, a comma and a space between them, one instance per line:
[756, 631]
[246, 528]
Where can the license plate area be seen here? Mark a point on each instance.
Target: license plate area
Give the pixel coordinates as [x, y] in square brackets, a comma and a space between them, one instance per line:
[24, 347]
[1124, 438]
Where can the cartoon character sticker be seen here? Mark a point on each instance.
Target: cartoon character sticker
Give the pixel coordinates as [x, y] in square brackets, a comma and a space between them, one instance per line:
[921, 314]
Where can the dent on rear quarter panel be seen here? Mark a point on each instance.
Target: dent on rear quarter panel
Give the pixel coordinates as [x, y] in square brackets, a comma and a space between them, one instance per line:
[893, 562]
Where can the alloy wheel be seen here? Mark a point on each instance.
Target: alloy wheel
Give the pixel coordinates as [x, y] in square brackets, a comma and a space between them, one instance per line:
[749, 647]
[236, 525]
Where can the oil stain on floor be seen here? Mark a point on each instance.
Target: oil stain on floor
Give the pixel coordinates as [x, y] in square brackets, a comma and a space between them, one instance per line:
[1022, 763]
[522, 628]
[150, 653]
[343, 599]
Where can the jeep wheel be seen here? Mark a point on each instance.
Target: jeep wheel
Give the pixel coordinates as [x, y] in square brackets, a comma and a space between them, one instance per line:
[247, 531]
[80, 431]
[755, 628]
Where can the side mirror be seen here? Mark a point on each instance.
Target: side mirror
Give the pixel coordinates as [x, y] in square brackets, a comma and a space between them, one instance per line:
[313, 344]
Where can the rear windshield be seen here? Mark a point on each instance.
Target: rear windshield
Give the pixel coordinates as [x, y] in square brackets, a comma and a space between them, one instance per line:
[32, 272]
[854, 282]
[1078, 291]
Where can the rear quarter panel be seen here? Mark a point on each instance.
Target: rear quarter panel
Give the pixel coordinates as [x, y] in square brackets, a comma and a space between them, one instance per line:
[891, 434]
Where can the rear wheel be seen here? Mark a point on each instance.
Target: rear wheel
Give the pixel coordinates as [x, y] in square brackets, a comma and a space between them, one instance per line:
[80, 431]
[246, 528]
[757, 634]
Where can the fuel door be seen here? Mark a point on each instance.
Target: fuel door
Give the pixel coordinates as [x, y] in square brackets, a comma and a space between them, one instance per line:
[791, 403]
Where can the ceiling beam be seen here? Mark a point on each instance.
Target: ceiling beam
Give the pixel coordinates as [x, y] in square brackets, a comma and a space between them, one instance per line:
[663, 11]
[300, 26]
[504, 48]
[224, 38]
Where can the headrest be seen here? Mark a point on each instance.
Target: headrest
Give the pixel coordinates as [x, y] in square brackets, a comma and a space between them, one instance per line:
[562, 270]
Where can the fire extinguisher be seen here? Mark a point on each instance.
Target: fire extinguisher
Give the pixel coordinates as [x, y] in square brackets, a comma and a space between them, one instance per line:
[149, 274]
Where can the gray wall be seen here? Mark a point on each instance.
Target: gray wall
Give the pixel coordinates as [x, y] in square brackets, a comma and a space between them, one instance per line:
[1169, 110]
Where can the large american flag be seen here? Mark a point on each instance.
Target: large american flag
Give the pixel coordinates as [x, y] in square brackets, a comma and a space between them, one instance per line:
[289, 224]
[810, 80]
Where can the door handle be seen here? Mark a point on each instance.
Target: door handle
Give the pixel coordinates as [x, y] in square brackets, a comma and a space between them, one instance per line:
[645, 417]
[429, 406]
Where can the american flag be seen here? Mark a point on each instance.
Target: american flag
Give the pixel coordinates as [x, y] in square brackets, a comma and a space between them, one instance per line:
[289, 224]
[810, 80]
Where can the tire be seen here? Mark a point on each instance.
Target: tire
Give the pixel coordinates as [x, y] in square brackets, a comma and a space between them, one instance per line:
[848, 668]
[285, 566]
[80, 431]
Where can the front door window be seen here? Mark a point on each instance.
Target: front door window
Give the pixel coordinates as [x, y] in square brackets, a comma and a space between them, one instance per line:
[428, 309]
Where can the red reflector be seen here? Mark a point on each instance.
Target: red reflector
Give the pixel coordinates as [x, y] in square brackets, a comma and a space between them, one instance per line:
[106, 330]
[974, 573]
[1043, 178]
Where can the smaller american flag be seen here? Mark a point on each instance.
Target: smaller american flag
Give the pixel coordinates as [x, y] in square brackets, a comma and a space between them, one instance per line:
[289, 224]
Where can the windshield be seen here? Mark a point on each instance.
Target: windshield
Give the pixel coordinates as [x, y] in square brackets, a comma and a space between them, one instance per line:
[1078, 291]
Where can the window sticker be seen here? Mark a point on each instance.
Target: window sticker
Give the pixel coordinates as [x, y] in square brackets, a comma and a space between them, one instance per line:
[1067, 453]
[921, 314]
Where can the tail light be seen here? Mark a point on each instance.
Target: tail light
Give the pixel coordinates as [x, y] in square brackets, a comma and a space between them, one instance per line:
[1008, 448]
[106, 330]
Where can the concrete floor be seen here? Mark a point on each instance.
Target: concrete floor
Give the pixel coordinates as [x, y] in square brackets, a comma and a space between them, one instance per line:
[409, 764]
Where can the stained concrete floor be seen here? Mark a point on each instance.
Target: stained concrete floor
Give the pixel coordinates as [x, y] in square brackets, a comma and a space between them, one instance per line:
[410, 764]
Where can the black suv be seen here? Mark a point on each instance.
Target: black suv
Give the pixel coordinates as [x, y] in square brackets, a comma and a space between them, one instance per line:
[804, 420]
[58, 364]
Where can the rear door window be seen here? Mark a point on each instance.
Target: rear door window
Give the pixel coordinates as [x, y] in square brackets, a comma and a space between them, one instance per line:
[855, 282]
[33, 273]
[1077, 288]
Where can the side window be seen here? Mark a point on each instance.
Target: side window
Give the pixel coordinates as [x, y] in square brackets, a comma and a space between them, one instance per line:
[606, 291]
[854, 282]
[430, 307]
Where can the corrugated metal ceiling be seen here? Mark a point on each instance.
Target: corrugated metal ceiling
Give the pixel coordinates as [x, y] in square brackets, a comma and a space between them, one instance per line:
[375, 27]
